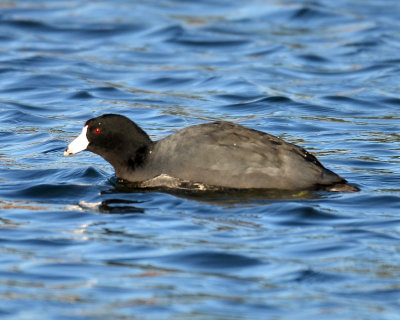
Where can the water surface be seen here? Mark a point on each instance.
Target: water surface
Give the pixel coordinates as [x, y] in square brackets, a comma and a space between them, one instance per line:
[321, 74]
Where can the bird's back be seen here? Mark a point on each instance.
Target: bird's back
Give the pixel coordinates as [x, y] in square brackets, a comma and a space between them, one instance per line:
[229, 155]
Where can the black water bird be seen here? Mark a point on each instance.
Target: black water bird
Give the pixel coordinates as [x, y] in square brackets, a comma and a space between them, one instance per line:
[204, 157]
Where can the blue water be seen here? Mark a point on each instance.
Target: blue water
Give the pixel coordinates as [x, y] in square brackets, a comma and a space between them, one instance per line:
[76, 245]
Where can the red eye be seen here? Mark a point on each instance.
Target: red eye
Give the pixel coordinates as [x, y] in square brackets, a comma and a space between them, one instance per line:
[97, 130]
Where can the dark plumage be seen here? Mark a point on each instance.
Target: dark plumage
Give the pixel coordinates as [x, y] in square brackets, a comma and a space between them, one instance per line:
[205, 156]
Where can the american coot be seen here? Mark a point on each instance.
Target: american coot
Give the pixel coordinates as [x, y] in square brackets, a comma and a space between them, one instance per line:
[205, 156]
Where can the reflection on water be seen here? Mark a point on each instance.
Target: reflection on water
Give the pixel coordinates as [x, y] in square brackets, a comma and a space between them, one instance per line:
[75, 244]
[113, 206]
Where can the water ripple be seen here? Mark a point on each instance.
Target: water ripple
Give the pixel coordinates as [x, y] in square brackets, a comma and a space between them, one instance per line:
[77, 244]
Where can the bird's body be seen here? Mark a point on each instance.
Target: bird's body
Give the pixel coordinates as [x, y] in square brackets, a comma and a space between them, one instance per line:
[218, 154]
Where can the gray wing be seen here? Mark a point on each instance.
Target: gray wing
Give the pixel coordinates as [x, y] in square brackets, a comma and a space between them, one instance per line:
[230, 155]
